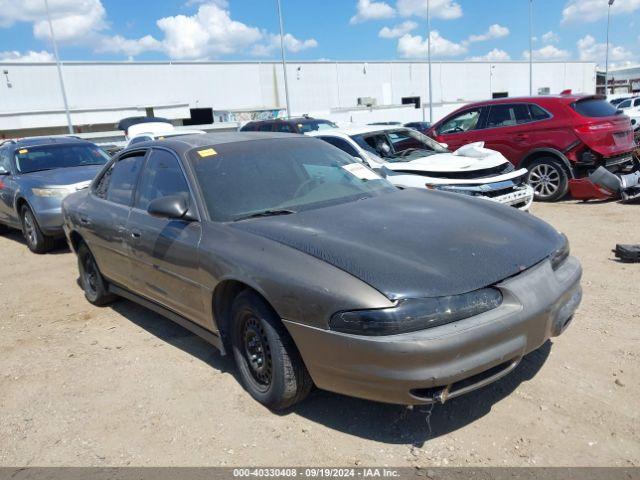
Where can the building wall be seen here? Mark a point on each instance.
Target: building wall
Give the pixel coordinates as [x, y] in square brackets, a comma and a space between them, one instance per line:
[102, 93]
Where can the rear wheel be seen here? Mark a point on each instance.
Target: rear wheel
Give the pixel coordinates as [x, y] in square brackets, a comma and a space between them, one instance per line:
[269, 363]
[549, 179]
[37, 241]
[95, 287]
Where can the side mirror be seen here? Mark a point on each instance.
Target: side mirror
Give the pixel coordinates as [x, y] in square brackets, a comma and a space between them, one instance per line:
[4, 171]
[172, 206]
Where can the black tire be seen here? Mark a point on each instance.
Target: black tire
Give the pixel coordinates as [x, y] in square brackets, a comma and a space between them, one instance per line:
[549, 179]
[3, 228]
[268, 361]
[96, 288]
[37, 241]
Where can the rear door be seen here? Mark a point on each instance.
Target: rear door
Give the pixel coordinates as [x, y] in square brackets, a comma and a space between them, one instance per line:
[462, 128]
[165, 251]
[104, 216]
[508, 130]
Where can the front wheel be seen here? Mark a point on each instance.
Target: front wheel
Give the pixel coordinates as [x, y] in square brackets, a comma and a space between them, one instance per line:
[269, 363]
[549, 180]
[37, 241]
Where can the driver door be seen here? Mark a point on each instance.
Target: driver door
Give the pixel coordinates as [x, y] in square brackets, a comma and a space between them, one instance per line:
[164, 251]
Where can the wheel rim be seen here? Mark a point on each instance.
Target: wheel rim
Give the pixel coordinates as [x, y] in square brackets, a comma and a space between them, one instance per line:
[545, 180]
[257, 352]
[30, 229]
[90, 274]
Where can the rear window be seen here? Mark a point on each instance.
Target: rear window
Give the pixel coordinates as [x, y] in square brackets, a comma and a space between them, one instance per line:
[594, 107]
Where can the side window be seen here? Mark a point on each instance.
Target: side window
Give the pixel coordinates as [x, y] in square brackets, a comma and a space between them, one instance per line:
[161, 177]
[538, 113]
[283, 127]
[265, 127]
[636, 102]
[625, 104]
[462, 122]
[342, 145]
[501, 116]
[118, 182]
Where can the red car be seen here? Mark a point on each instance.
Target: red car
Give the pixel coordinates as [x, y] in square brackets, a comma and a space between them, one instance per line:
[560, 139]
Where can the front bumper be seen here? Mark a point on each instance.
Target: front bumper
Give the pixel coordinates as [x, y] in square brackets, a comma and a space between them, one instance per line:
[443, 362]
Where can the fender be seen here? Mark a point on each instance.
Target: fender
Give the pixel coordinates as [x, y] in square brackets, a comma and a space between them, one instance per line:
[551, 151]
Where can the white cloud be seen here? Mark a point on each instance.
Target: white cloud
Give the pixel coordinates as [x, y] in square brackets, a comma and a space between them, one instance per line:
[73, 20]
[444, 9]
[209, 32]
[410, 46]
[592, 10]
[127, 46]
[30, 56]
[550, 37]
[291, 43]
[590, 50]
[493, 32]
[548, 52]
[495, 55]
[371, 10]
[398, 30]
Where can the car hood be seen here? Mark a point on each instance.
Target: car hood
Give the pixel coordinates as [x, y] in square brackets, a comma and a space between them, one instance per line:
[466, 159]
[416, 243]
[63, 176]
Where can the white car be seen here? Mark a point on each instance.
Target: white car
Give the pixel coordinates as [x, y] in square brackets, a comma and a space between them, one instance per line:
[144, 132]
[629, 105]
[408, 158]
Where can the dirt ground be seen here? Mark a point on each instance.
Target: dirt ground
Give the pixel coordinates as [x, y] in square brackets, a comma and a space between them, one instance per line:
[88, 386]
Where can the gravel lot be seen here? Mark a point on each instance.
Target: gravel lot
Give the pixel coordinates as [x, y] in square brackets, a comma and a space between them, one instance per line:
[87, 386]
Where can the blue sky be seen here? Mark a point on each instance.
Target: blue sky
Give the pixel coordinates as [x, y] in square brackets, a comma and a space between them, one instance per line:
[318, 29]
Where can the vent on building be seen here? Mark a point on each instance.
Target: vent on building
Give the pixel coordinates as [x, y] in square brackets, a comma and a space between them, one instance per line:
[409, 100]
[367, 102]
[544, 91]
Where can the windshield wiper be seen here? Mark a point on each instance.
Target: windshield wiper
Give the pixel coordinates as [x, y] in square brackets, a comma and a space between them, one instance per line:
[266, 213]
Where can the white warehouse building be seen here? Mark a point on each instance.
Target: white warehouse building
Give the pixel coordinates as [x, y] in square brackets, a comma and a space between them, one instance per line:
[101, 93]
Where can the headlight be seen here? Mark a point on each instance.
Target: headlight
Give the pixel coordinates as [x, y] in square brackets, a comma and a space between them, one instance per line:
[414, 314]
[561, 254]
[51, 192]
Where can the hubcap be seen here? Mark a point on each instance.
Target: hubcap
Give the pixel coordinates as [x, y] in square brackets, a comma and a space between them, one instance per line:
[90, 274]
[29, 229]
[257, 352]
[545, 180]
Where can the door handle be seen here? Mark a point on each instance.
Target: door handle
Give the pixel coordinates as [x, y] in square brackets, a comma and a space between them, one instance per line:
[521, 137]
[135, 234]
[85, 221]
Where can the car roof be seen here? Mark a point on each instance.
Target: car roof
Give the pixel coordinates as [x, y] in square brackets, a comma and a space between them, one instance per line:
[357, 130]
[39, 141]
[184, 143]
[570, 98]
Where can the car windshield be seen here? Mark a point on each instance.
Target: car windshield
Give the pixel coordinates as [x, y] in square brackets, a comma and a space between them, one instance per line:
[399, 145]
[50, 157]
[280, 176]
[315, 125]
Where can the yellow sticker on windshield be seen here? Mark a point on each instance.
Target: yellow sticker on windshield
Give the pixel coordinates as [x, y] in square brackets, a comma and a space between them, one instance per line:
[209, 152]
[23, 151]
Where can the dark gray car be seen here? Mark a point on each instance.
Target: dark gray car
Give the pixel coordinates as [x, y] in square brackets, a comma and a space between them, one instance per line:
[35, 175]
[311, 269]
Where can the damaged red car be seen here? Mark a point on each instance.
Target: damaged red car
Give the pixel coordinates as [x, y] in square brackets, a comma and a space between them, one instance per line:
[561, 139]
